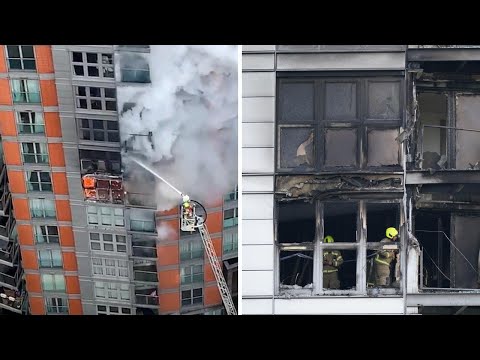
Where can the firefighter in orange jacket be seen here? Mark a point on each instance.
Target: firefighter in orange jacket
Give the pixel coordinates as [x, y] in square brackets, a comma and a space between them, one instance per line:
[332, 259]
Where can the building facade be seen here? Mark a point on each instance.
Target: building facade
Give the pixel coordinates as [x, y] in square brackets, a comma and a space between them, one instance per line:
[79, 238]
[348, 140]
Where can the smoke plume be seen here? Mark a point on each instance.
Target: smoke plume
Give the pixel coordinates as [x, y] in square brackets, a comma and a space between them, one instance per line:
[190, 108]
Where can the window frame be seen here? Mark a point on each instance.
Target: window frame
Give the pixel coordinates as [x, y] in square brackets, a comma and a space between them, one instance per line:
[108, 288]
[24, 91]
[108, 311]
[47, 234]
[40, 155]
[40, 183]
[89, 98]
[99, 215]
[54, 277]
[91, 130]
[193, 276]
[101, 242]
[49, 261]
[361, 123]
[108, 268]
[99, 64]
[33, 117]
[361, 246]
[191, 298]
[21, 58]
[58, 308]
[232, 244]
[43, 210]
[191, 251]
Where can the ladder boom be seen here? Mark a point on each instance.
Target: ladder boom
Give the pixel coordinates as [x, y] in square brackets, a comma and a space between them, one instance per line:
[217, 270]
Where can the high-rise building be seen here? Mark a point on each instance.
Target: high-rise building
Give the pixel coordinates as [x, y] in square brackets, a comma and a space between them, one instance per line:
[76, 234]
[347, 141]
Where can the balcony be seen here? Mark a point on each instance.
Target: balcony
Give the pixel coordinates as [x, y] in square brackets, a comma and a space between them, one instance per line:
[16, 302]
[145, 271]
[144, 251]
[146, 295]
[11, 277]
[7, 223]
[103, 188]
[9, 252]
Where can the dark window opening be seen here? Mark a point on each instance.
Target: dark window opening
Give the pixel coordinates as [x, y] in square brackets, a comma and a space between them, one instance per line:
[449, 310]
[296, 269]
[345, 278]
[296, 222]
[340, 221]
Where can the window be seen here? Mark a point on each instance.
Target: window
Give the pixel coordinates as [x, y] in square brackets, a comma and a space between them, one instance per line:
[53, 282]
[98, 130]
[219, 311]
[46, 234]
[191, 250]
[230, 217]
[108, 242]
[25, 91]
[88, 64]
[144, 247]
[232, 196]
[95, 98]
[337, 123]
[134, 68]
[39, 181]
[230, 242]
[30, 122]
[142, 220]
[35, 153]
[50, 258]
[191, 274]
[192, 297]
[110, 267]
[95, 160]
[112, 291]
[105, 216]
[20, 57]
[56, 305]
[113, 310]
[42, 208]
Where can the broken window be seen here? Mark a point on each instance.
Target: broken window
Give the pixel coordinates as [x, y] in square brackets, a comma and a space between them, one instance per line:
[296, 147]
[100, 161]
[322, 121]
[433, 118]
[295, 239]
[92, 64]
[467, 149]
[339, 263]
[383, 268]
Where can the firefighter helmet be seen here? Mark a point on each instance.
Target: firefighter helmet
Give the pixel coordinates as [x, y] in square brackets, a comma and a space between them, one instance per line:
[391, 232]
[328, 239]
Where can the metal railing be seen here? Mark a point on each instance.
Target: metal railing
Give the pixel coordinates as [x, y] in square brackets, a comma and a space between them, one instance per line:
[141, 299]
[146, 276]
[144, 251]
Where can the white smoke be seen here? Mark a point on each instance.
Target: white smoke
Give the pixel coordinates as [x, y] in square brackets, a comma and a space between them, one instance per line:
[191, 109]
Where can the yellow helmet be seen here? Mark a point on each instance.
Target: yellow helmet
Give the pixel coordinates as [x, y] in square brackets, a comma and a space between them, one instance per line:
[391, 232]
[328, 239]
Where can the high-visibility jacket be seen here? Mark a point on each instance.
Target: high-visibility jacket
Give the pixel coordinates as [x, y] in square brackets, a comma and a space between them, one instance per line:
[335, 258]
[385, 257]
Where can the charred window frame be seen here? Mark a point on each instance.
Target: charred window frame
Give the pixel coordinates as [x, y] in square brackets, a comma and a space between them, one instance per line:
[316, 248]
[97, 65]
[448, 138]
[354, 116]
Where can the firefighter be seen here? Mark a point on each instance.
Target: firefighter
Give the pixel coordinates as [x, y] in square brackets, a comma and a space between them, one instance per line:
[187, 207]
[384, 259]
[332, 259]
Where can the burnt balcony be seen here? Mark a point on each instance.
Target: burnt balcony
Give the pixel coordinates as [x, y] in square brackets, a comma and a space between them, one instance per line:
[100, 162]
[11, 276]
[103, 188]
